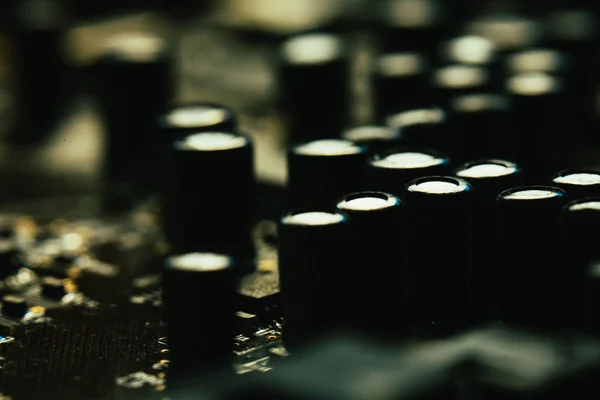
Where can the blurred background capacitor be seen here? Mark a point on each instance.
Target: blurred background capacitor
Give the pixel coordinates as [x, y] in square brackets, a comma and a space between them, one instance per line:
[578, 183]
[390, 171]
[180, 121]
[438, 214]
[411, 25]
[199, 285]
[184, 119]
[573, 29]
[526, 219]
[374, 138]
[399, 82]
[489, 177]
[313, 255]
[422, 127]
[131, 88]
[453, 80]
[483, 126]
[541, 106]
[212, 193]
[575, 280]
[320, 171]
[472, 50]
[376, 265]
[315, 85]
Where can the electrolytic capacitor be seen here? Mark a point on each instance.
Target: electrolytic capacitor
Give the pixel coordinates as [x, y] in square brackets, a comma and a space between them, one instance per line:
[438, 213]
[390, 171]
[400, 83]
[483, 126]
[313, 250]
[411, 25]
[322, 170]
[473, 50]
[456, 79]
[315, 85]
[578, 183]
[508, 32]
[14, 306]
[376, 267]
[132, 87]
[489, 177]
[423, 127]
[541, 107]
[540, 59]
[574, 31]
[211, 198]
[375, 138]
[199, 286]
[526, 222]
[575, 280]
[183, 120]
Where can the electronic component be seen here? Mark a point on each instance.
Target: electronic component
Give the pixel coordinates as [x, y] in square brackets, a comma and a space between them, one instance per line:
[489, 178]
[314, 76]
[131, 88]
[483, 126]
[450, 81]
[377, 245]
[399, 82]
[575, 278]
[540, 106]
[212, 194]
[390, 171]
[526, 224]
[438, 215]
[14, 306]
[423, 127]
[374, 137]
[199, 285]
[313, 247]
[320, 171]
[578, 183]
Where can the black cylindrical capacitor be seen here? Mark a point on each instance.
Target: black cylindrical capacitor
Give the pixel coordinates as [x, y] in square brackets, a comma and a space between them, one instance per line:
[574, 31]
[199, 286]
[508, 32]
[400, 83]
[476, 51]
[375, 268]
[375, 138]
[322, 170]
[132, 85]
[541, 106]
[411, 25]
[392, 170]
[453, 80]
[539, 59]
[38, 73]
[211, 199]
[579, 220]
[14, 306]
[526, 221]
[185, 119]
[438, 212]
[578, 183]
[489, 178]
[423, 127]
[315, 85]
[313, 251]
[482, 127]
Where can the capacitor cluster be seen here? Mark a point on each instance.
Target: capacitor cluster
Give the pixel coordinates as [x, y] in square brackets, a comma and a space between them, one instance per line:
[463, 202]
